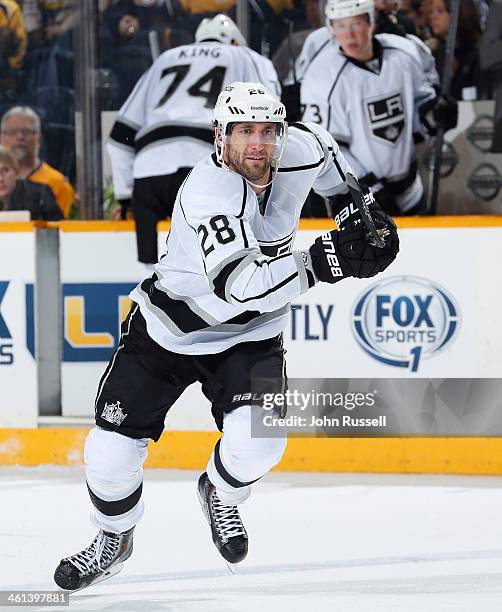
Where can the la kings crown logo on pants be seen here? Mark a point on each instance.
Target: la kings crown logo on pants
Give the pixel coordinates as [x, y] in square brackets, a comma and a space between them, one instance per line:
[386, 117]
[113, 413]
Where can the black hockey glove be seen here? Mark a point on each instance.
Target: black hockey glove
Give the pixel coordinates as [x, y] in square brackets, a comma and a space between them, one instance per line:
[445, 112]
[344, 210]
[340, 254]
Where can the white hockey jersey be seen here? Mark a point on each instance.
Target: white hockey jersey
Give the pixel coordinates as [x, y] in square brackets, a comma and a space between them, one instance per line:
[165, 124]
[314, 44]
[319, 40]
[372, 110]
[230, 273]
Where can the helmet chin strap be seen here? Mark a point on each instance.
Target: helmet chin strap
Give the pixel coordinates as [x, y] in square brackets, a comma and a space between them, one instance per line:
[273, 174]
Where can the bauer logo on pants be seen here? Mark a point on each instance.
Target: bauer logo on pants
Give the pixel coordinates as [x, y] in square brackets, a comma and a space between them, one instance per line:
[404, 319]
[386, 117]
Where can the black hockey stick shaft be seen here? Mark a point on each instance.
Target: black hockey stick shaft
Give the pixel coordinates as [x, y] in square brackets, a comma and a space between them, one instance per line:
[437, 153]
[362, 206]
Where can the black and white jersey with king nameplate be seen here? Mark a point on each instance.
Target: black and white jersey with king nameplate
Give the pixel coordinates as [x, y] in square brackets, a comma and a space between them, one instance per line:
[166, 122]
[372, 109]
[230, 272]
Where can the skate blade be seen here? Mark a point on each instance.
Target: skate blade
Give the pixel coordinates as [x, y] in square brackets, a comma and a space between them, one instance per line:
[232, 567]
[204, 509]
[113, 571]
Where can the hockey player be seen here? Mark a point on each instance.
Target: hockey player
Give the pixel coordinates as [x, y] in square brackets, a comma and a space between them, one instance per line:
[373, 96]
[214, 311]
[321, 39]
[164, 127]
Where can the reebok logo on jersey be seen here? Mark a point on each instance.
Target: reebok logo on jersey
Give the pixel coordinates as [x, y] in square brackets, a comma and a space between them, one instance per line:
[260, 108]
[330, 251]
[386, 117]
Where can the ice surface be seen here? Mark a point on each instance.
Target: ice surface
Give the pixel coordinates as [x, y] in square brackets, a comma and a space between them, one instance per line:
[318, 542]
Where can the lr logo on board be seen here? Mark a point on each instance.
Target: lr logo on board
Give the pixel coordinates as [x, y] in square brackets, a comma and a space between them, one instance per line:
[404, 319]
[6, 347]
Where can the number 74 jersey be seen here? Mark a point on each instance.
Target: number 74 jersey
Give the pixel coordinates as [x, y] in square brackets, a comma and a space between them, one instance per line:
[166, 123]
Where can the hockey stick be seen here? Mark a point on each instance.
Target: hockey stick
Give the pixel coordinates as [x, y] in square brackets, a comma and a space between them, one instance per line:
[436, 157]
[375, 237]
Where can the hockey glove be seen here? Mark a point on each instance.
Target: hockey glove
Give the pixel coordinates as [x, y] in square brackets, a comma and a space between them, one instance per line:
[445, 112]
[340, 254]
[345, 211]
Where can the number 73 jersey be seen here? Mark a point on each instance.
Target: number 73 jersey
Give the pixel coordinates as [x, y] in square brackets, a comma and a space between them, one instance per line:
[230, 273]
[371, 109]
[166, 123]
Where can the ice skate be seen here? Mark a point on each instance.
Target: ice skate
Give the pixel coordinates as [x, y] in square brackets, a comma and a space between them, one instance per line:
[101, 560]
[229, 535]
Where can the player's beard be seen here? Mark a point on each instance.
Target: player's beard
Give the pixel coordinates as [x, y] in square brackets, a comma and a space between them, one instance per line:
[239, 163]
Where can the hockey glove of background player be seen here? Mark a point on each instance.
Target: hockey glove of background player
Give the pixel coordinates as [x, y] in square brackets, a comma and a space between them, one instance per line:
[445, 112]
[340, 254]
[440, 112]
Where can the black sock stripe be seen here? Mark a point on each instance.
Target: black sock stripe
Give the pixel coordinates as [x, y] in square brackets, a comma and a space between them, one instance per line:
[114, 508]
[223, 472]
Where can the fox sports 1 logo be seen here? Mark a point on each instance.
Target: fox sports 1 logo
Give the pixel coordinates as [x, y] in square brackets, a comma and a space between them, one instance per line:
[404, 319]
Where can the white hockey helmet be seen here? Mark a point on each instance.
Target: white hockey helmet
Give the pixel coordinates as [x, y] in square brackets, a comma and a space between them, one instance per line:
[248, 103]
[340, 9]
[220, 28]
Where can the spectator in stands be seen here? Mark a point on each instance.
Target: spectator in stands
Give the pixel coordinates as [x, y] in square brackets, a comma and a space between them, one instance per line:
[20, 130]
[125, 45]
[127, 18]
[20, 194]
[466, 71]
[390, 20]
[291, 46]
[12, 35]
[417, 11]
[12, 50]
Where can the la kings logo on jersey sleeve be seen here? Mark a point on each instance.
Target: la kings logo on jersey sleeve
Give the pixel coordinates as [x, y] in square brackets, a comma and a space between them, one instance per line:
[386, 117]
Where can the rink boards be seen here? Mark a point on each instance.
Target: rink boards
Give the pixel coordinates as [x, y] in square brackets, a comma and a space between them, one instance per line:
[432, 314]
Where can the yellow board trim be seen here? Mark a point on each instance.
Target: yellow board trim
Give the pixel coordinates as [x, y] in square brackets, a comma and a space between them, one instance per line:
[19, 226]
[191, 450]
[305, 224]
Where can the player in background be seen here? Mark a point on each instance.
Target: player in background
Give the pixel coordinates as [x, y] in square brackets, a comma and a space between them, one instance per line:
[374, 97]
[164, 127]
[322, 38]
[214, 311]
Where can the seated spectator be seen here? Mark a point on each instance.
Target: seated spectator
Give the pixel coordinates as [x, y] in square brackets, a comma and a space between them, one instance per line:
[127, 18]
[466, 71]
[417, 11]
[12, 35]
[290, 48]
[47, 20]
[20, 194]
[12, 50]
[390, 20]
[20, 131]
[58, 17]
